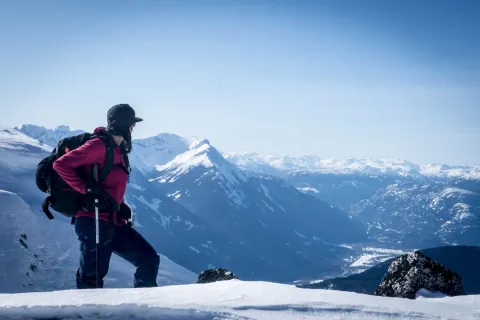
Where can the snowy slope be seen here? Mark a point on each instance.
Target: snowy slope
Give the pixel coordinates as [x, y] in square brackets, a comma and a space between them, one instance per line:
[23, 262]
[231, 300]
[19, 151]
[393, 167]
[38, 255]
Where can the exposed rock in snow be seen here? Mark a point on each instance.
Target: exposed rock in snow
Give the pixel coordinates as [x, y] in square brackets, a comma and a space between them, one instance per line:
[214, 275]
[411, 272]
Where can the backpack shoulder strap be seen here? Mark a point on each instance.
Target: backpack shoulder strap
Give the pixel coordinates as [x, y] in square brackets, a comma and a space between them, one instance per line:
[109, 143]
[126, 167]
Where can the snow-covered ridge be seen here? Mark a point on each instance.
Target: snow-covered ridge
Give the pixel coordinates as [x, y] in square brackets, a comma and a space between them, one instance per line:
[12, 139]
[395, 167]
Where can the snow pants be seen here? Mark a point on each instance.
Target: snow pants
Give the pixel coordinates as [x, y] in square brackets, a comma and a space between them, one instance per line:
[121, 240]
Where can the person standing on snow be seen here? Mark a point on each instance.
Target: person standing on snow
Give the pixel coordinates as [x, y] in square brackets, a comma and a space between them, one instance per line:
[116, 235]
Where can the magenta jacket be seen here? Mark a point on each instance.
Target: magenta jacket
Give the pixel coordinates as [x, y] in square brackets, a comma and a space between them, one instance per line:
[94, 151]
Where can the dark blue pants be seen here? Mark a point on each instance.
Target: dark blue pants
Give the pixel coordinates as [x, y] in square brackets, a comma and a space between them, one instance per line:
[123, 241]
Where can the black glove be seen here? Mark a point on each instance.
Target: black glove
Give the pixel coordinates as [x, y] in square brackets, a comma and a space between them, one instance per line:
[125, 211]
[93, 188]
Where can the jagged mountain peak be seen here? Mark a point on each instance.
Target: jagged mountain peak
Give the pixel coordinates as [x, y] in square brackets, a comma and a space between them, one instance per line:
[204, 163]
[201, 153]
[199, 144]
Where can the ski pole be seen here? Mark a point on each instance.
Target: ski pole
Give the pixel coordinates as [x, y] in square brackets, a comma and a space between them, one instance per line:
[97, 231]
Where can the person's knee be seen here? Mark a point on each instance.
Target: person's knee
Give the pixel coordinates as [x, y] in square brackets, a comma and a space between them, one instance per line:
[150, 260]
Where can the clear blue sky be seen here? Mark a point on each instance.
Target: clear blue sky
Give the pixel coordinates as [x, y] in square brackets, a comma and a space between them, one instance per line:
[340, 79]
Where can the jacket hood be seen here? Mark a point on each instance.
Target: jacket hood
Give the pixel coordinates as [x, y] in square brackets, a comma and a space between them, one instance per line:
[99, 130]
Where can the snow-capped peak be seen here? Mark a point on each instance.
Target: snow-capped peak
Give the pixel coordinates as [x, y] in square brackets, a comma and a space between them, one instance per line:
[196, 144]
[201, 154]
[201, 163]
[158, 150]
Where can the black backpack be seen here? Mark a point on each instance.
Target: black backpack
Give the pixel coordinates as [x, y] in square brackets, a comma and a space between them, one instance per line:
[63, 198]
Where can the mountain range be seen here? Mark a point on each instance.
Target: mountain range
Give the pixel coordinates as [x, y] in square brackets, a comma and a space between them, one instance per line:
[281, 165]
[275, 218]
[404, 205]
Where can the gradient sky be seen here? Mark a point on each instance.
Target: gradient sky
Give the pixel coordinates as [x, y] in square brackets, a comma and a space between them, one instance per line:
[337, 79]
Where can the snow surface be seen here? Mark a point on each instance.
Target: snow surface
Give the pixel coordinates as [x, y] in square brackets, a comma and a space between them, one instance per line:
[232, 299]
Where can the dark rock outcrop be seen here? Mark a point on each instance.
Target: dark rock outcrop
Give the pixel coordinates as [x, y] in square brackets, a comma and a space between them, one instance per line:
[411, 272]
[463, 259]
[214, 275]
